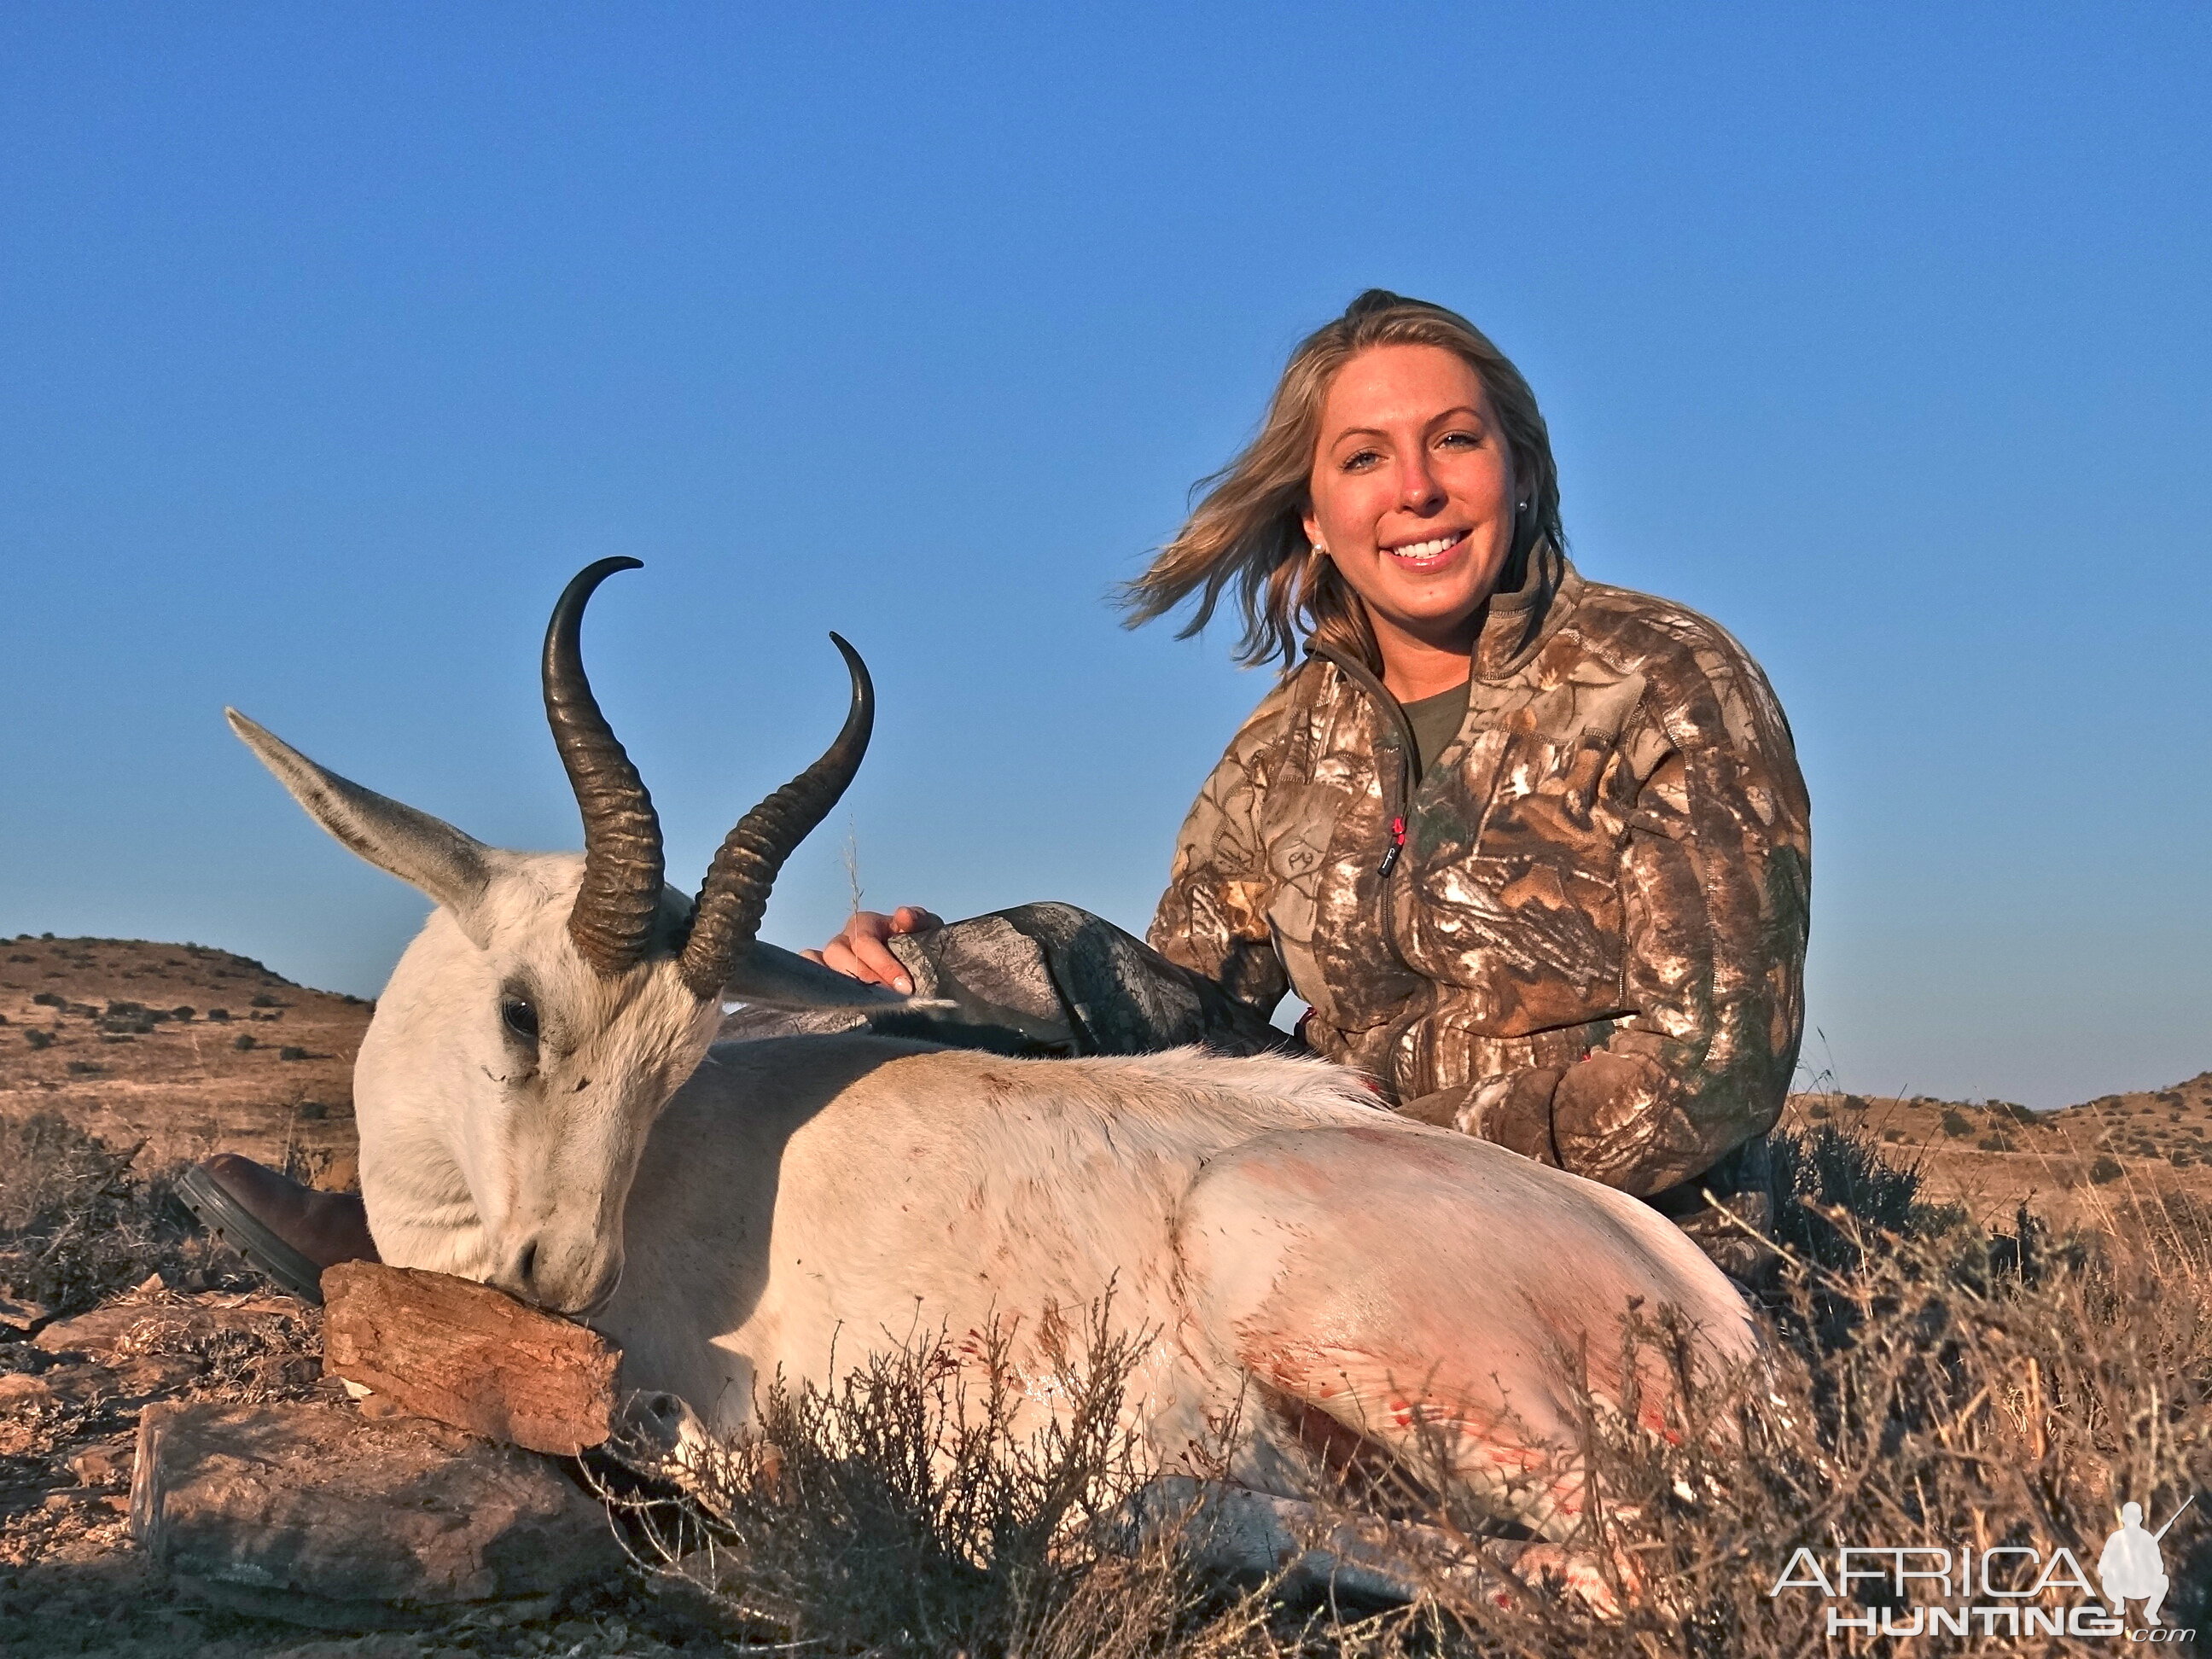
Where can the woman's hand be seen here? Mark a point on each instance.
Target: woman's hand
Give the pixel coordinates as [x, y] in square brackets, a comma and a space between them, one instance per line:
[860, 951]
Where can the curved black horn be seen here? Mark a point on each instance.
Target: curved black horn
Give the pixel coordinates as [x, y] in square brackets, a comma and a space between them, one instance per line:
[735, 895]
[613, 919]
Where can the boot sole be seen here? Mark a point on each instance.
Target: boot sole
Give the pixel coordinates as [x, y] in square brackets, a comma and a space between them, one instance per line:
[227, 1220]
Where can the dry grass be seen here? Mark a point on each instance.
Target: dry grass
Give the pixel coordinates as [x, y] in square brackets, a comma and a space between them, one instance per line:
[1932, 1385]
[80, 1223]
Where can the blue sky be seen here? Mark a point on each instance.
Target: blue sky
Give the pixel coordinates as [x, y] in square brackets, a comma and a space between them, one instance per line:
[333, 339]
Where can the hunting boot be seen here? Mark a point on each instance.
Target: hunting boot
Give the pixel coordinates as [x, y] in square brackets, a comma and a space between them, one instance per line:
[286, 1231]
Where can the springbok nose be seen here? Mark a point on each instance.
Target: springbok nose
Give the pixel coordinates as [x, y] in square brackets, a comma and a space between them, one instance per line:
[517, 1274]
[569, 1282]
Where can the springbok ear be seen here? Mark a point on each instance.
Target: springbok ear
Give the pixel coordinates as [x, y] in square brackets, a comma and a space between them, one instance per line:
[767, 977]
[428, 853]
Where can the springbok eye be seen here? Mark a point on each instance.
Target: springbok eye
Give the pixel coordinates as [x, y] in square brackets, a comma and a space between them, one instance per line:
[520, 1016]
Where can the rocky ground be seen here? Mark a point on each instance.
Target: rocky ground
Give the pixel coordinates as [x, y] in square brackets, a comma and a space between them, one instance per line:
[173, 1050]
[178, 1050]
[72, 1579]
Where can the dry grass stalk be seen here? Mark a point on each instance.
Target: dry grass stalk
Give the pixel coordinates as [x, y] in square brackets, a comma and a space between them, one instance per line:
[1931, 1385]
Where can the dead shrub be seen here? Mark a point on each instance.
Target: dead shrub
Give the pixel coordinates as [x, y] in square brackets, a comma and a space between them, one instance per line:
[77, 1224]
[1930, 1385]
[915, 1508]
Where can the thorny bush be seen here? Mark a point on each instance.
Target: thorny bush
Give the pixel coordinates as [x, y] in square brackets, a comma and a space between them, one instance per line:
[1929, 1383]
[78, 1224]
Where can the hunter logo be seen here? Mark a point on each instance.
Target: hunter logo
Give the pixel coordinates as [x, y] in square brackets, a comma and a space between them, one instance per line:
[2000, 1591]
[2131, 1569]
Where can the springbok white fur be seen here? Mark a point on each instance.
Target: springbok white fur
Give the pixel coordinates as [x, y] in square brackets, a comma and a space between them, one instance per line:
[1328, 1278]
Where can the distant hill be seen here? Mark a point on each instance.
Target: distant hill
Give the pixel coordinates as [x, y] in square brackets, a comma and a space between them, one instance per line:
[2090, 1165]
[194, 1050]
[189, 1049]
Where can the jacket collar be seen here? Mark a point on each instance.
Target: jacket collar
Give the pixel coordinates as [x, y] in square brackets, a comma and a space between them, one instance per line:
[1515, 623]
[1522, 616]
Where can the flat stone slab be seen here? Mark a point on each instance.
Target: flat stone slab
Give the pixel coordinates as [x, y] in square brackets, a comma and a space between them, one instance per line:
[316, 1514]
[142, 1324]
[467, 1355]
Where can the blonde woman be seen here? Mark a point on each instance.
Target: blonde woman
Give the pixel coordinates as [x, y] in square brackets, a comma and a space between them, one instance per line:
[1535, 850]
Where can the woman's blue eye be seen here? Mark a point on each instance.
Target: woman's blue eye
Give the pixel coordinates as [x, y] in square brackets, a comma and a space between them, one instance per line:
[1353, 462]
[519, 1017]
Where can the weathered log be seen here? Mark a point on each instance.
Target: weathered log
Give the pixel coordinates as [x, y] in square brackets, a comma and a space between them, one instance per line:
[467, 1355]
[315, 1514]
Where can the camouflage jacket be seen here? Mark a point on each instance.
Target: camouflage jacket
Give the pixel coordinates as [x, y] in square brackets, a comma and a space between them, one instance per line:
[1582, 934]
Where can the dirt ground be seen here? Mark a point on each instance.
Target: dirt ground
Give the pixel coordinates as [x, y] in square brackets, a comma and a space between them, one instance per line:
[181, 1049]
[2095, 1166]
[187, 1049]
[71, 1579]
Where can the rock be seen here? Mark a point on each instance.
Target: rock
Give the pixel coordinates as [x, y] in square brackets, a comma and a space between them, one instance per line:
[469, 1356]
[361, 1647]
[128, 1382]
[20, 1315]
[132, 1325]
[316, 1515]
[95, 1465]
[20, 1391]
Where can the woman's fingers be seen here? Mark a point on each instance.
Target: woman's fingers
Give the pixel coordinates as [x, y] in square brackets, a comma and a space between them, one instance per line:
[860, 951]
[876, 963]
[841, 957]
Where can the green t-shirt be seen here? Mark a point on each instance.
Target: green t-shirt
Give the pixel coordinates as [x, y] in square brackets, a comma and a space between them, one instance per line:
[1435, 721]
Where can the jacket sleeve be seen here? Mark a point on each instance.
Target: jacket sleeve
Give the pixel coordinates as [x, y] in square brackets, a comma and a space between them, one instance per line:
[1715, 880]
[1214, 917]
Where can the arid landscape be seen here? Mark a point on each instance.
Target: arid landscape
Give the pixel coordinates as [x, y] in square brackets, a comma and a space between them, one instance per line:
[121, 1060]
[2084, 1166]
[185, 1049]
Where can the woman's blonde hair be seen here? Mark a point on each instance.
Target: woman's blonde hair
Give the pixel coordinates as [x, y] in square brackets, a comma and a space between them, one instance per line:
[1249, 528]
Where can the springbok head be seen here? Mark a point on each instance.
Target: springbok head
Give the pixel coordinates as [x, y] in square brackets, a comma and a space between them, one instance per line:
[552, 1003]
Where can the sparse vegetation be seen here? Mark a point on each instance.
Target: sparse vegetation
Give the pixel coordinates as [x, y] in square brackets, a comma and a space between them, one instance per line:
[1930, 1379]
[1935, 1382]
[76, 1223]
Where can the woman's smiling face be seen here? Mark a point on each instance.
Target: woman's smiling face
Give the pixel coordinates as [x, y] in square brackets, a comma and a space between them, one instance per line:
[1412, 493]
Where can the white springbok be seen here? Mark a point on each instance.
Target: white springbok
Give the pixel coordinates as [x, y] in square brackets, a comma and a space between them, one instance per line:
[543, 1107]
